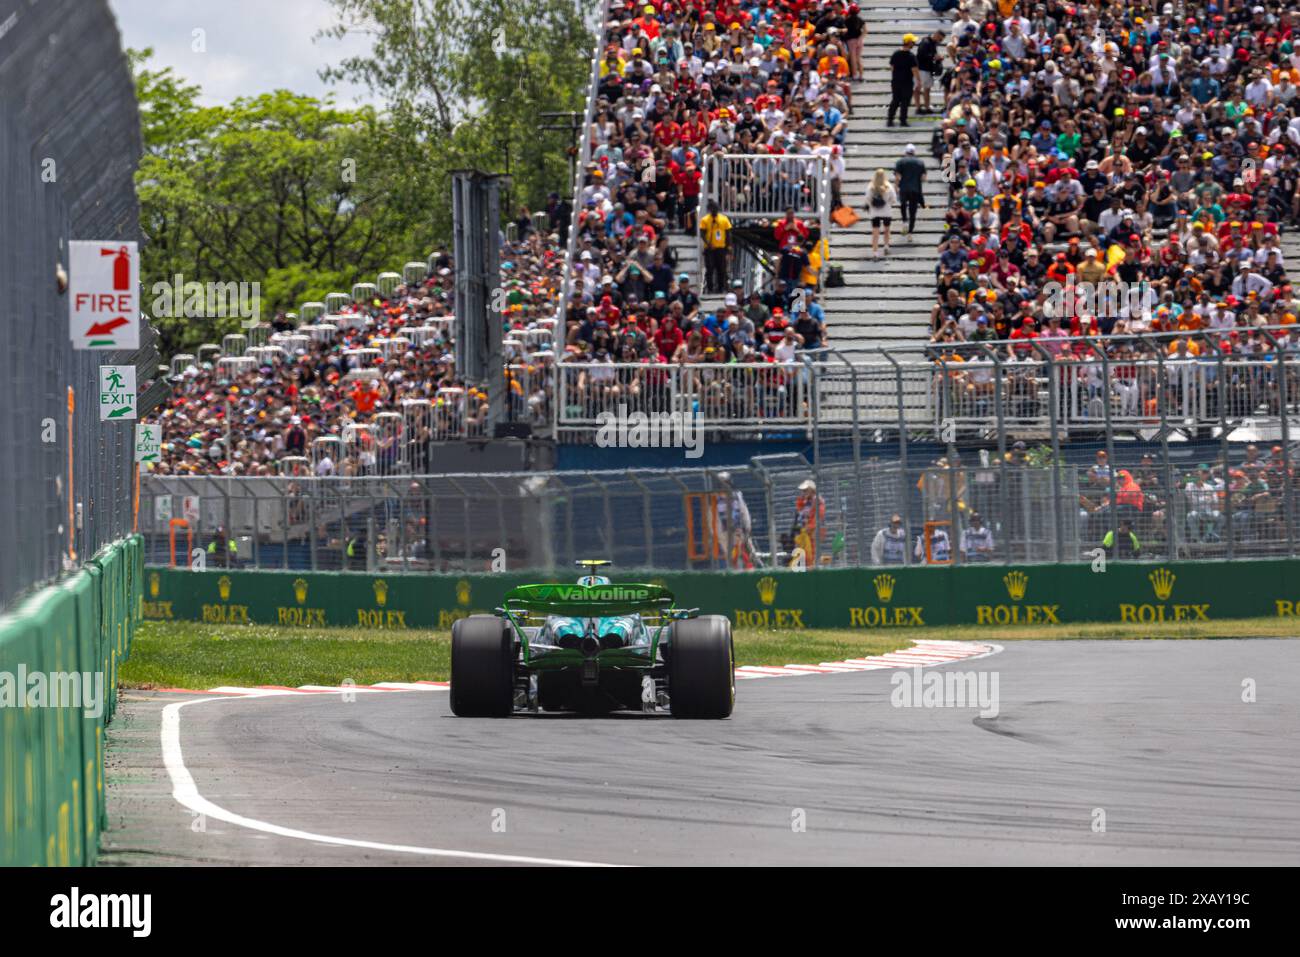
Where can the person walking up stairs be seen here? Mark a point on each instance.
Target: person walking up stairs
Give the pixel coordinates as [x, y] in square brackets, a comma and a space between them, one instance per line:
[886, 299]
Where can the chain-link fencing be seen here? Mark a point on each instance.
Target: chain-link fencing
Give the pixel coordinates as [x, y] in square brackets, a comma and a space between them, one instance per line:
[65, 173]
[1012, 506]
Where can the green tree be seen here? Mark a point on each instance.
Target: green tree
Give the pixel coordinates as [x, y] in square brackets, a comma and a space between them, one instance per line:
[278, 189]
[477, 90]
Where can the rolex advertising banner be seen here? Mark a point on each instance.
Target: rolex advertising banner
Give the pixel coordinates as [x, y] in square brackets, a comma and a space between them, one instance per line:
[866, 598]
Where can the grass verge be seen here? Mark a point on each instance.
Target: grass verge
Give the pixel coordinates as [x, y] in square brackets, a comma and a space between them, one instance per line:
[192, 655]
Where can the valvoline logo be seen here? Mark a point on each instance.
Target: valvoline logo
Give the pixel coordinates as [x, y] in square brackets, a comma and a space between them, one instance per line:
[594, 593]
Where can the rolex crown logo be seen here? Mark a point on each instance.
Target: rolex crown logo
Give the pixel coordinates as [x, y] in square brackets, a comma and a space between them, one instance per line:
[884, 587]
[223, 587]
[1162, 581]
[381, 592]
[1016, 583]
[462, 592]
[300, 590]
[155, 584]
[767, 589]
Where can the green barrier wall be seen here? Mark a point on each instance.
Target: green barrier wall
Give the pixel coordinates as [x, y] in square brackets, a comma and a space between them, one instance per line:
[841, 598]
[52, 758]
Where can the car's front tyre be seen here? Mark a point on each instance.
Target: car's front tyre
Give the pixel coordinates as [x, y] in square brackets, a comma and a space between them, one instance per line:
[482, 668]
[702, 668]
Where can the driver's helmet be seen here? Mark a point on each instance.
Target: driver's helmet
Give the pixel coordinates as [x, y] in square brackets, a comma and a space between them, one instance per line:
[593, 580]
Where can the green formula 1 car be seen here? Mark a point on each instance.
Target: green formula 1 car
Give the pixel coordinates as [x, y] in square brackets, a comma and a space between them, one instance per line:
[592, 647]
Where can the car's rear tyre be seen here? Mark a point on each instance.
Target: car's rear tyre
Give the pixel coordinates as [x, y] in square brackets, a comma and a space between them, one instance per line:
[702, 668]
[482, 668]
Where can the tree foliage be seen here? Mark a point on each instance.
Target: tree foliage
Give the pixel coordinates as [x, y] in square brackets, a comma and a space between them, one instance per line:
[279, 189]
[304, 197]
[474, 79]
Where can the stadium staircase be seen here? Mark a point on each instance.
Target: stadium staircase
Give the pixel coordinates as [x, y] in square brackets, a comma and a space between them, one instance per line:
[684, 248]
[885, 302]
[1290, 243]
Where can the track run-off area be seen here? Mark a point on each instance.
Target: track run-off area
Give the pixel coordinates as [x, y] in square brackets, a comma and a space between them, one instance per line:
[1096, 752]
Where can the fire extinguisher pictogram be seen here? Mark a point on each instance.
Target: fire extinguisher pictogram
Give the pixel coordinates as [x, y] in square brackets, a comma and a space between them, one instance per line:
[121, 266]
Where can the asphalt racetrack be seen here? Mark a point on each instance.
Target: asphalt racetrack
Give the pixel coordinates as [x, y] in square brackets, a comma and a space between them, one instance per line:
[1151, 739]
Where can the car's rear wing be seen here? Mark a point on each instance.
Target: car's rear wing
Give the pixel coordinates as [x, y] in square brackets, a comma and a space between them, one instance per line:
[591, 601]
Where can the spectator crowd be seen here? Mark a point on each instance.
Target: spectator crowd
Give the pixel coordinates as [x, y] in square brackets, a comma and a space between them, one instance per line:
[680, 83]
[1085, 145]
[1116, 170]
[244, 418]
[677, 82]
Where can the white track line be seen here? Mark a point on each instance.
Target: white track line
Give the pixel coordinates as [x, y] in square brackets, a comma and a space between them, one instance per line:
[933, 651]
[925, 654]
[186, 792]
[243, 692]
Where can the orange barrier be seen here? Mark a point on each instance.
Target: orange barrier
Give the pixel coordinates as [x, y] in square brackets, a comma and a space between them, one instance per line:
[171, 535]
[708, 546]
[929, 530]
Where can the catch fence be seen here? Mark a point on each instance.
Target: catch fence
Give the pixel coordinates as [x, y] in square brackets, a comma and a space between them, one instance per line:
[986, 506]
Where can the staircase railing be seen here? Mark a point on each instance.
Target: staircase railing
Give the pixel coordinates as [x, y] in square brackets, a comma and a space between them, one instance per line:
[750, 187]
[584, 157]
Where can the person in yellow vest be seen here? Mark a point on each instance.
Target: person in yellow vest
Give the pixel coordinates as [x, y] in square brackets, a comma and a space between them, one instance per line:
[817, 255]
[222, 550]
[715, 230]
[355, 551]
[809, 520]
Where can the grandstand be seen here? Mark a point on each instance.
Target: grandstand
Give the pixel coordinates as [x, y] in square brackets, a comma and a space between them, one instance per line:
[363, 383]
[979, 330]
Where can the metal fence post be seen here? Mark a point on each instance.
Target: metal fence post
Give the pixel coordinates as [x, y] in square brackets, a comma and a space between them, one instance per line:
[1053, 397]
[710, 195]
[1162, 403]
[1222, 394]
[284, 543]
[857, 455]
[609, 517]
[999, 411]
[257, 553]
[646, 519]
[370, 536]
[1099, 349]
[824, 206]
[902, 448]
[405, 494]
[314, 485]
[465, 498]
[815, 415]
[569, 518]
[710, 526]
[224, 488]
[1284, 386]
